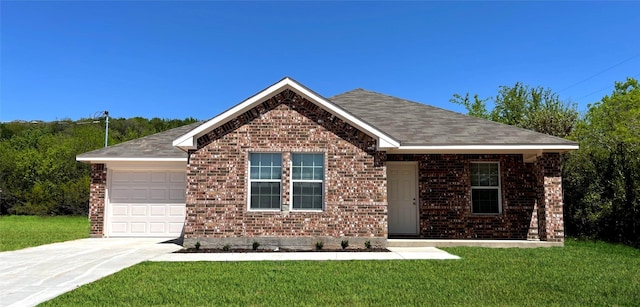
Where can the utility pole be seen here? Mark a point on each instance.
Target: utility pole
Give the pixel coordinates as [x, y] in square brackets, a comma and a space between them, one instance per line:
[106, 129]
[96, 119]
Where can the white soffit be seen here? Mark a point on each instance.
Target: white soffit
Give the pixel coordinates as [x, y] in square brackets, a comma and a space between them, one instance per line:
[470, 149]
[188, 141]
[152, 160]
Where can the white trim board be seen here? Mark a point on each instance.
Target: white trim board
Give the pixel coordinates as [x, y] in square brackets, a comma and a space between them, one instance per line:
[107, 159]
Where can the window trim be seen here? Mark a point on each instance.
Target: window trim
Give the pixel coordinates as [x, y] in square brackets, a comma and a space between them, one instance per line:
[322, 182]
[498, 187]
[250, 181]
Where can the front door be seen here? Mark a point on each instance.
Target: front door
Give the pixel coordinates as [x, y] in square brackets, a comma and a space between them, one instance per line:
[402, 197]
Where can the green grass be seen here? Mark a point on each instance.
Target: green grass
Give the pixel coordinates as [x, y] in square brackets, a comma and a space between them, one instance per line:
[18, 232]
[581, 273]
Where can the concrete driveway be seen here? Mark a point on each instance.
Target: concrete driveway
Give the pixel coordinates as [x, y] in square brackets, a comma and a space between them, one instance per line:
[37, 274]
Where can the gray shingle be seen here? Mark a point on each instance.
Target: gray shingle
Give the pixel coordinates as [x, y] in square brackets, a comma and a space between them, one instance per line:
[157, 145]
[416, 124]
[411, 123]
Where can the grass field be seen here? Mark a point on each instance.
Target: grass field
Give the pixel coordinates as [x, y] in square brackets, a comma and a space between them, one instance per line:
[581, 273]
[18, 232]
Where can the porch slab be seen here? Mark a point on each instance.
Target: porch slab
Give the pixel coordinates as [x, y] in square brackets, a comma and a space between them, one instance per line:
[395, 253]
[471, 243]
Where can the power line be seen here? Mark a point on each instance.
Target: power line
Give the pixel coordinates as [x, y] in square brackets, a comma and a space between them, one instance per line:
[602, 89]
[599, 73]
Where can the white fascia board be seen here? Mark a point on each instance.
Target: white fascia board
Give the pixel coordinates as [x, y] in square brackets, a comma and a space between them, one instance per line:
[484, 148]
[102, 160]
[187, 141]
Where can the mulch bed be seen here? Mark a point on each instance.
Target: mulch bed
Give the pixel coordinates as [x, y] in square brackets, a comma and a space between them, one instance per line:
[282, 250]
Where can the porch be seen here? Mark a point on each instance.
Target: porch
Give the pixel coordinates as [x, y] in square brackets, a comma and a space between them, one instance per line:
[492, 200]
[416, 242]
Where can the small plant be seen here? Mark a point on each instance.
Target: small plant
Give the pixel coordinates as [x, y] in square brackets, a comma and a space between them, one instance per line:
[344, 244]
[198, 245]
[226, 247]
[367, 244]
[319, 245]
[255, 245]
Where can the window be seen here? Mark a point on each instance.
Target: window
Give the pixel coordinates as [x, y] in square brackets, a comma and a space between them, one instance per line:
[307, 175]
[485, 188]
[265, 178]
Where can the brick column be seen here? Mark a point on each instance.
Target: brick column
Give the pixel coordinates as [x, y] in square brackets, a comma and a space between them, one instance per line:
[97, 199]
[549, 200]
[533, 234]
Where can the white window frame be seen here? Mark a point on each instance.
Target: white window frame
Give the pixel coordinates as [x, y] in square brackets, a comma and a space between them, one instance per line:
[263, 180]
[481, 187]
[322, 182]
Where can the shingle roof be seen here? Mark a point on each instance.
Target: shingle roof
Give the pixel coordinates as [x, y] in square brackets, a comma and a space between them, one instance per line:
[152, 146]
[410, 123]
[416, 124]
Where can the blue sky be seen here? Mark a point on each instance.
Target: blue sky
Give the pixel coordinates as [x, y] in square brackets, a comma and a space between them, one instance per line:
[167, 59]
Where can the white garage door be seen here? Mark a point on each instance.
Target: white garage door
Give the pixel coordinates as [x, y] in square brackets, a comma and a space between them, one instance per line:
[146, 203]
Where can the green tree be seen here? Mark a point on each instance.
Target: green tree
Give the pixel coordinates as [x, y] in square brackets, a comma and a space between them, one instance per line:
[475, 108]
[38, 171]
[602, 179]
[533, 108]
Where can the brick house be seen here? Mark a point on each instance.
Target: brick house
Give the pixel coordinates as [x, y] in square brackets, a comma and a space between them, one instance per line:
[288, 167]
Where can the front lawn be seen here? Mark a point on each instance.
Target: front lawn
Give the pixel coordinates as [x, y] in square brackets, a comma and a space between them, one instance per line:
[581, 273]
[19, 231]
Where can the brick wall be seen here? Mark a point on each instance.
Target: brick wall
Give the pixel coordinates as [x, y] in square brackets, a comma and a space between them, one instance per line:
[445, 197]
[549, 197]
[355, 178]
[96, 199]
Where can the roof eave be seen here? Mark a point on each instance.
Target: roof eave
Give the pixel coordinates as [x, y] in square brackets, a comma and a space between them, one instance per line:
[127, 159]
[484, 149]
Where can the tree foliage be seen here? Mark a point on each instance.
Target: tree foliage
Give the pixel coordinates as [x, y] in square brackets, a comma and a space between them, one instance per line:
[38, 171]
[475, 108]
[602, 179]
[534, 108]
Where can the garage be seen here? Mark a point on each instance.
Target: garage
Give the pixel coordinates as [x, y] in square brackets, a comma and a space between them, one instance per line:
[143, 203]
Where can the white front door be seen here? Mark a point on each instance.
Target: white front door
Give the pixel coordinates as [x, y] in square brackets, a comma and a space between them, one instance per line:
[402, 198]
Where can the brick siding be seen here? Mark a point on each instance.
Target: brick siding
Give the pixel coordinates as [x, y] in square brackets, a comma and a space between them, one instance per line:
[96, 199]
[355, 178]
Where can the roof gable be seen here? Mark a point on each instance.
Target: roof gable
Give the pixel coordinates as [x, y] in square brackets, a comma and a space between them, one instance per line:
[189, 140]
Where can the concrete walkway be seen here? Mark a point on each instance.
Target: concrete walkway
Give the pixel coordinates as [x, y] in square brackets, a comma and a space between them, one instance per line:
[33, 275]
[37, 274]
[397, 253]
